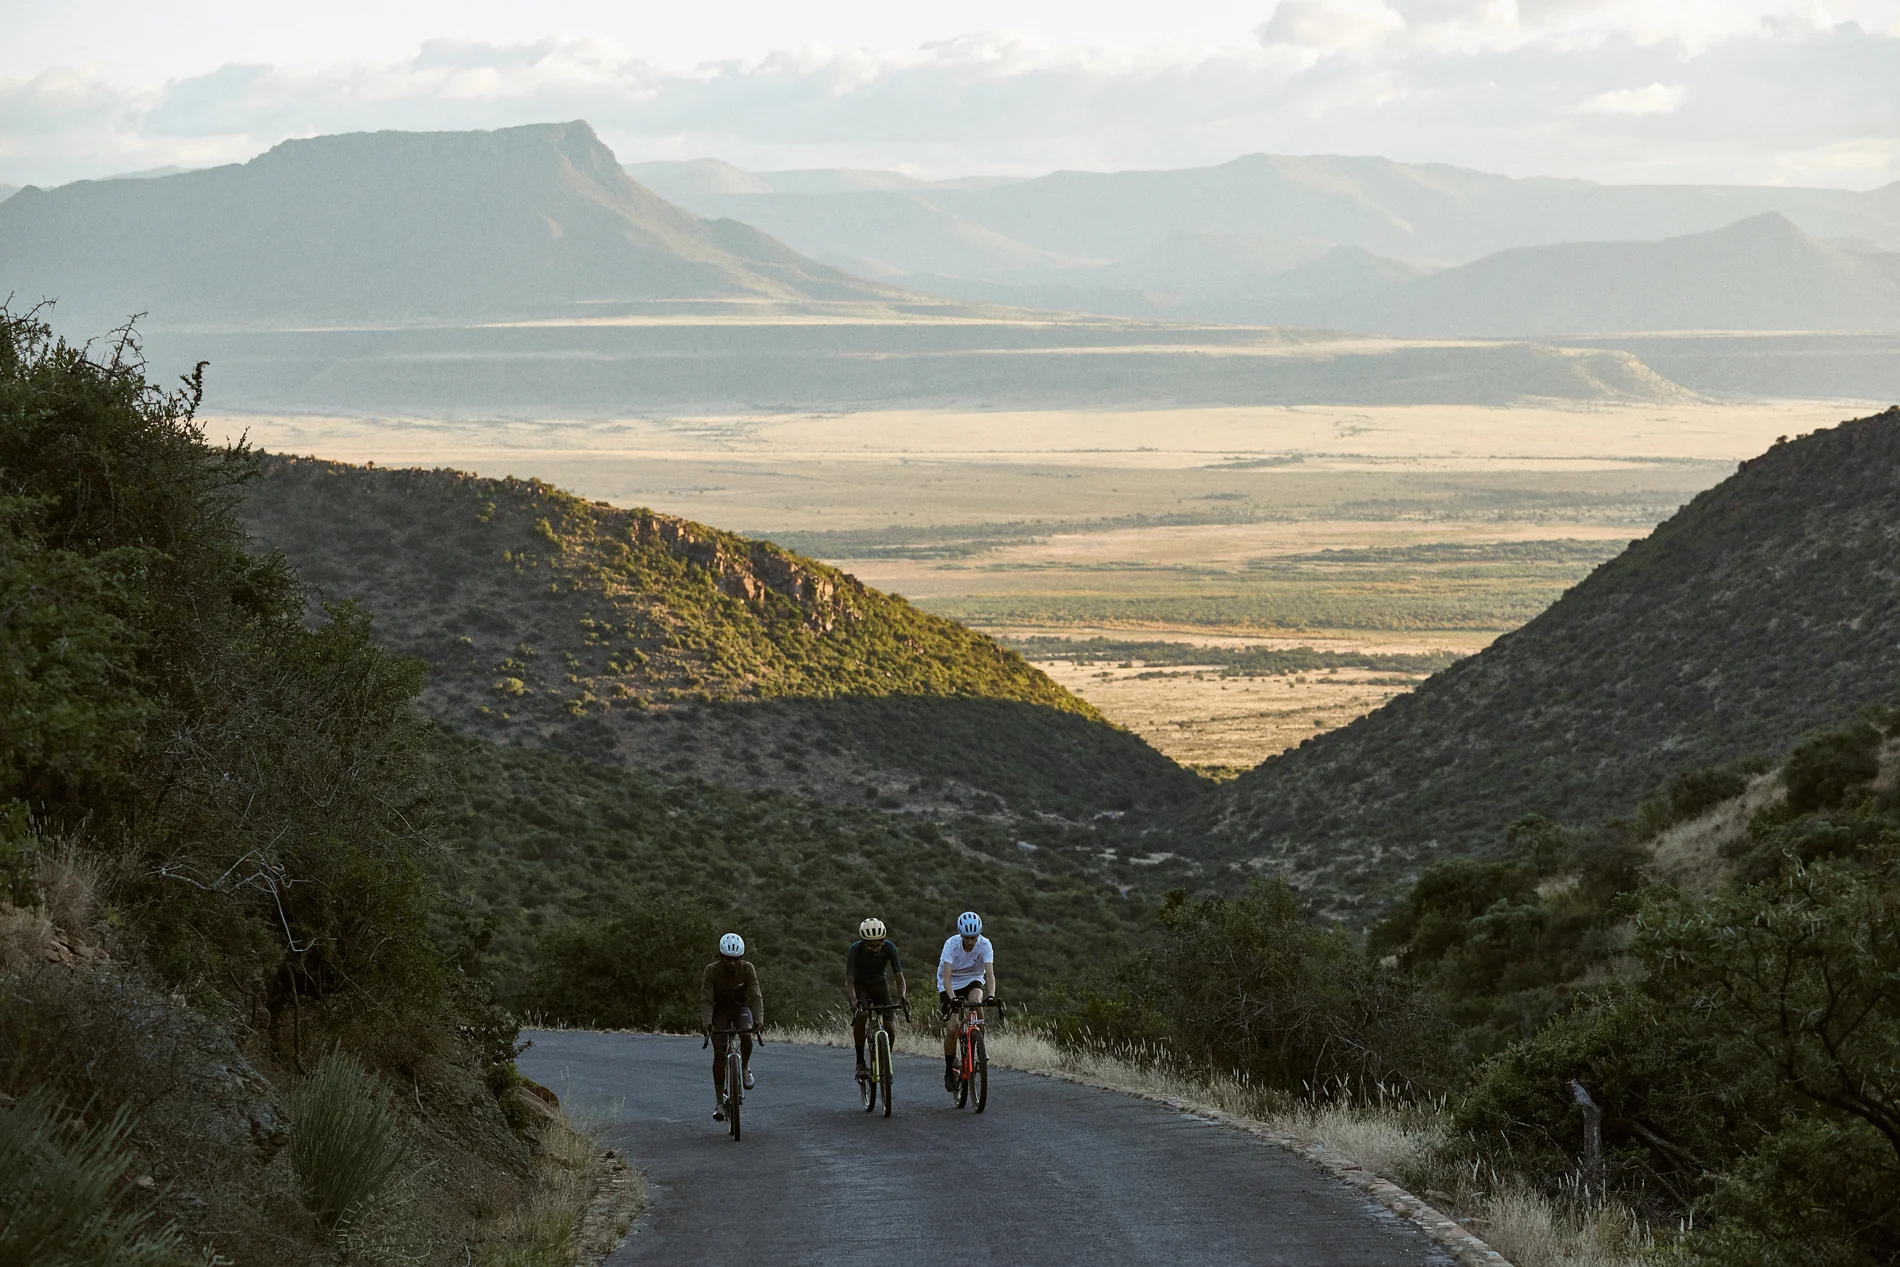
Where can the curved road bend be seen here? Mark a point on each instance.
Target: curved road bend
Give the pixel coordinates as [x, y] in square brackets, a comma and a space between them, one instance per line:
[1053, 1175]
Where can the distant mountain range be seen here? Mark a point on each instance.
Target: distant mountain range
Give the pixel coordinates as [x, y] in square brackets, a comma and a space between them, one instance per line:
[1343, 242]
[396, 226]
[1762, 273]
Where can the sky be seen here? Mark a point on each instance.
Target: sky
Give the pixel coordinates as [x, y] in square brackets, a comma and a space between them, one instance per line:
[1715, 91]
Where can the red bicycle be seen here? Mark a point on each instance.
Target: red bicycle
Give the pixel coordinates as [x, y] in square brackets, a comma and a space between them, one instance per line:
[973, 1063]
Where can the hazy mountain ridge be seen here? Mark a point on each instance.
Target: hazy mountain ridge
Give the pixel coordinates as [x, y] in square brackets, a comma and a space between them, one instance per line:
[1221, 243]
[1425, 213]
[1766, 607]
[630, 636]
[523, 221]
[1763, 273]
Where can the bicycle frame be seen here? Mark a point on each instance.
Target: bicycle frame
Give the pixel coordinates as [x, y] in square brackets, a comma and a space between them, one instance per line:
[734, 1095]
[972, 1061]
[881, 1038]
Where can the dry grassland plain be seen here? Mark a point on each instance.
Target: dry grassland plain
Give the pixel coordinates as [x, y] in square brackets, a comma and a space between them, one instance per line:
[1355, 529]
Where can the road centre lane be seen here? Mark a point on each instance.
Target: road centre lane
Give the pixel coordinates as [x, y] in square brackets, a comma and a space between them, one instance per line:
[1054, 1174]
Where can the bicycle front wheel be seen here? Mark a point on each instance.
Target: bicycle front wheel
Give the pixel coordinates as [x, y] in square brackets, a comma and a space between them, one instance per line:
[883, 1046]
[735, 1092]
[981, 1060]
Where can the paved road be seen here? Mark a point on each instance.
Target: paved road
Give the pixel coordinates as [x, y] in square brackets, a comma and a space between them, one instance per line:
[1053, 1175]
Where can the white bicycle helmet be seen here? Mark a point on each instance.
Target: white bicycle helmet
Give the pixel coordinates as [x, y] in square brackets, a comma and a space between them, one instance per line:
[872, 929]
[969, 923]
[732, 946]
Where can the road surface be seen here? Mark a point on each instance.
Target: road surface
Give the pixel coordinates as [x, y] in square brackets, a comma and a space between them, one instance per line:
[1052, 1175]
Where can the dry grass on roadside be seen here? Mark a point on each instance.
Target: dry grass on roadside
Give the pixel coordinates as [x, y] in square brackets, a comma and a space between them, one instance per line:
[1403, 1142]
[560, 1223]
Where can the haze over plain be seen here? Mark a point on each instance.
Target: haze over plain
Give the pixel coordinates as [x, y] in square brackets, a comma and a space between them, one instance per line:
[978, 328]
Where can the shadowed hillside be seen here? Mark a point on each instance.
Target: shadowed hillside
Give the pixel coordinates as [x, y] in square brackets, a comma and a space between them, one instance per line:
[631, 635]
[1768, 606]
[392, 226]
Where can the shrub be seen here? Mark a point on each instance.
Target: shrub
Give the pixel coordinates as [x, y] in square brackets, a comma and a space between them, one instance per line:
[1249, 984]
[1699, 791]
[1822, 771]
[344, 1142]
[638, 969]
[1751, 1076]
[62, 1192]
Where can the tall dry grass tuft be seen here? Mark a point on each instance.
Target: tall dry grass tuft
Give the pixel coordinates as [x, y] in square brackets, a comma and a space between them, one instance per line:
[345, 1146]
[69, 880]
[1534, 1231]
[580, 1205]
[1692, 855]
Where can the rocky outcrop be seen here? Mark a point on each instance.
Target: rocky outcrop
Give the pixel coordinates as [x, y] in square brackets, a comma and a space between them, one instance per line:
[752, 570]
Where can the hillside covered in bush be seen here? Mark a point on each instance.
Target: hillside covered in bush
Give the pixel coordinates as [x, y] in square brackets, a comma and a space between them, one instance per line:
[1718, 977]
[546, 619]
[1763, 609]
[217, 964]
[603, 886]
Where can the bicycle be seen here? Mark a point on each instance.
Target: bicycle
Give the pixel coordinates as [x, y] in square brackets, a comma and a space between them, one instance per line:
[877, 1073]
[973, 1063]
[735, 1074]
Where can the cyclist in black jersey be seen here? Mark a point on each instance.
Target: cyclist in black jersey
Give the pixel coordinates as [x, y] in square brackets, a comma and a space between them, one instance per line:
[865, 966]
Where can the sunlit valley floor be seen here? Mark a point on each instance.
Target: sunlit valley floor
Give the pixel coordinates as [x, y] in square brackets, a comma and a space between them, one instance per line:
[1367, 532]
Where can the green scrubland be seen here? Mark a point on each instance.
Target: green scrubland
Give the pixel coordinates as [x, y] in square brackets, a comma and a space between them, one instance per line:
[286, 872]
[216, 827]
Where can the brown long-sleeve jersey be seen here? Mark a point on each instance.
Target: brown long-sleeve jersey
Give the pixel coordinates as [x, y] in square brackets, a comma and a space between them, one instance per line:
[731, 983]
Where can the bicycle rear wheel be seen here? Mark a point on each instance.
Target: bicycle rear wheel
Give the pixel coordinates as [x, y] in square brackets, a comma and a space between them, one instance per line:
[981, 1075]
[963, 1070]
[883, 1047]
[735, 1092]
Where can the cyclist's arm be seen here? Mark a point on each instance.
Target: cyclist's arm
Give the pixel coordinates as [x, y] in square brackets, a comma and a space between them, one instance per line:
[850, 992]
[706, 997]
[989, 979]
[754, 999]
[903, 991]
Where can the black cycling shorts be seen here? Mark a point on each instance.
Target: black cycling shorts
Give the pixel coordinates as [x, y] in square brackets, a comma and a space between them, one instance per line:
[874, 993]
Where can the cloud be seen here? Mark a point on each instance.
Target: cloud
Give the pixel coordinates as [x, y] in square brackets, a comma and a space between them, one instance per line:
[1655, 99]
[1736, 90]
[1331, 25]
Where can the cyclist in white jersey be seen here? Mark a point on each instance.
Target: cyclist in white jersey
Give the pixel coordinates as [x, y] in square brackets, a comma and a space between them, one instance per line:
[967, 970]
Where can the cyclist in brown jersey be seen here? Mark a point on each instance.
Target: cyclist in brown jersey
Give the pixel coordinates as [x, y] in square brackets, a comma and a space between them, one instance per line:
[729, 999]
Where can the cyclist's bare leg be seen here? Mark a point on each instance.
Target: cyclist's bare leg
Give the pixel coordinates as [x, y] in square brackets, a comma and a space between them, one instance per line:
[857, 1035]
[745, 1052]
[972, 993]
